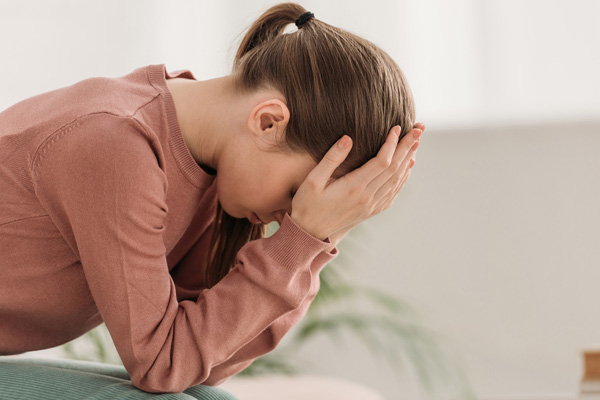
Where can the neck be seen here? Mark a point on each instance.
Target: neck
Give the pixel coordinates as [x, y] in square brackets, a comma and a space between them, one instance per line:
[207, 111]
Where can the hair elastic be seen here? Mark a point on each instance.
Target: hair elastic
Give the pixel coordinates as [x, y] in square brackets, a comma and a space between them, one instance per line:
[304, 18]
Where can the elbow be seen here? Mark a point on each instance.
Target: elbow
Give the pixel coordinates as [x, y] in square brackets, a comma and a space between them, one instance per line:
[164, 380]
[214, 382]
[171, 386]
[158, 386]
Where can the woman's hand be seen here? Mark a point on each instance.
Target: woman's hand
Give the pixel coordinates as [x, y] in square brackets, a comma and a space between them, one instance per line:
[323, 206]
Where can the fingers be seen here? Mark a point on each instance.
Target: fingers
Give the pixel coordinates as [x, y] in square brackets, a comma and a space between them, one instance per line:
[404, 152]
[388, 181]
[393, 178]
[372, 168]
[376, 171]
[332, 159]
[390, 195]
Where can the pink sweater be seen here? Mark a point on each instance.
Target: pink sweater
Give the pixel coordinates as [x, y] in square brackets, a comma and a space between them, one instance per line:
[105, 216]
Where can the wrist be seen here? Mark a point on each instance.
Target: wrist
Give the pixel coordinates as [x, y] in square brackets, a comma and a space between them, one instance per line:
[306, 227]
[337, 237]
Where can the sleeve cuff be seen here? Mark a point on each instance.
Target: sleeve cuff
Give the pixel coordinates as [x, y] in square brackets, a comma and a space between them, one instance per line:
[291, 246]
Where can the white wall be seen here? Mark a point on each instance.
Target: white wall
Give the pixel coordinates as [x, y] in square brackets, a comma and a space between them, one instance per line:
[468, 61]
[495, 236]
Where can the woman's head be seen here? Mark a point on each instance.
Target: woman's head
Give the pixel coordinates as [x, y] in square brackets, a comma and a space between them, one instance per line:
[333, 83]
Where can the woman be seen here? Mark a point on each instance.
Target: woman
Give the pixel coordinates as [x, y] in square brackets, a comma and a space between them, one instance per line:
[141, 201]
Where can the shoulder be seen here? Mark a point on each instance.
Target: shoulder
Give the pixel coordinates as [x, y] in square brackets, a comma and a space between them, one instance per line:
[99, 142]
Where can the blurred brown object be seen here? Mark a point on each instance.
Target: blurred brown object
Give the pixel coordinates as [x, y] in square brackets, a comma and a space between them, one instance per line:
[591, 364]
[589, 389]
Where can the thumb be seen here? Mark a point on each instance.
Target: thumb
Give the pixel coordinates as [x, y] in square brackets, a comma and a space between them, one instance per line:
[334, 157]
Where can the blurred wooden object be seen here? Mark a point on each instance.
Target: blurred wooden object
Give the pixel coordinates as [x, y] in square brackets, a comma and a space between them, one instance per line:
[589, 389]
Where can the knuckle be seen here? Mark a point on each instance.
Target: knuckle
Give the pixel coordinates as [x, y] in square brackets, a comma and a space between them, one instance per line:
[355, 190]
[311, 182]
[384, 163]
[329, 157]
[358, 187]
[364, 200]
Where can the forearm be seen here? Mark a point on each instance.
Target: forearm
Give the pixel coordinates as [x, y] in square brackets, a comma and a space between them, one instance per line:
[270, 337]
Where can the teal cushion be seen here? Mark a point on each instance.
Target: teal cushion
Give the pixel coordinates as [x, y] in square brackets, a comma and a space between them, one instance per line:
[28, 378]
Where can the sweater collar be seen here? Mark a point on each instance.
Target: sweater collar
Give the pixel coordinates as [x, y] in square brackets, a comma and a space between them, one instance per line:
[158, 76]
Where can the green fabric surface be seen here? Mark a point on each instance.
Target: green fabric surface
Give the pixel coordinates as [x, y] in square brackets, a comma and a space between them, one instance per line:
[30, 379]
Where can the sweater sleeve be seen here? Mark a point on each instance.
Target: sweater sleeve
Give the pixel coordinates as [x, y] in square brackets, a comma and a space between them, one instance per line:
[269, 339]
[101, 183]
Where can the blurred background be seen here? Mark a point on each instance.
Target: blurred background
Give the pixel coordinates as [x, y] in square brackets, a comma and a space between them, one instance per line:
[495, 238]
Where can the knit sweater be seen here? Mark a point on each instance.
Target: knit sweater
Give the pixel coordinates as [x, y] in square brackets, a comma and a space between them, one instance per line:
[106, 217]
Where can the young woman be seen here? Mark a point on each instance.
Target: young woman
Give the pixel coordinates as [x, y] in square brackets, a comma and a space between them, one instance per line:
[142, 201]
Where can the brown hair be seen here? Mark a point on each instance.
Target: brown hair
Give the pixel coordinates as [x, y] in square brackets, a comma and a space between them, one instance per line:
[334, 83]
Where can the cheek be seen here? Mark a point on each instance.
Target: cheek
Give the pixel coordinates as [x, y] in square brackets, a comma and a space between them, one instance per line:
[224, 197]
[268, 195]
[228, 193]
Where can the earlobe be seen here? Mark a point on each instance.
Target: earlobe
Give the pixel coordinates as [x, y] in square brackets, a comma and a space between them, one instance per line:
[269, 117]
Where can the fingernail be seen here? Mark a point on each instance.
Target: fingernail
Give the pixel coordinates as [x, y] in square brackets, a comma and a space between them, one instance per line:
[417, 134]
[397, 131]
[344, 142]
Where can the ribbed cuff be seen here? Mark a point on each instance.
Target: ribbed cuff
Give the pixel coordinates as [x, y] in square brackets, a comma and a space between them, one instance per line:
[291, 246]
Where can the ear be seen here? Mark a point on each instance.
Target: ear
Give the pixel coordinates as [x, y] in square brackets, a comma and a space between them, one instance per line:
[269, 118]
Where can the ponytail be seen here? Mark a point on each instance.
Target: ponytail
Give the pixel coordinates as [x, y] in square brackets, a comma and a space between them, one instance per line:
[270, 25]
